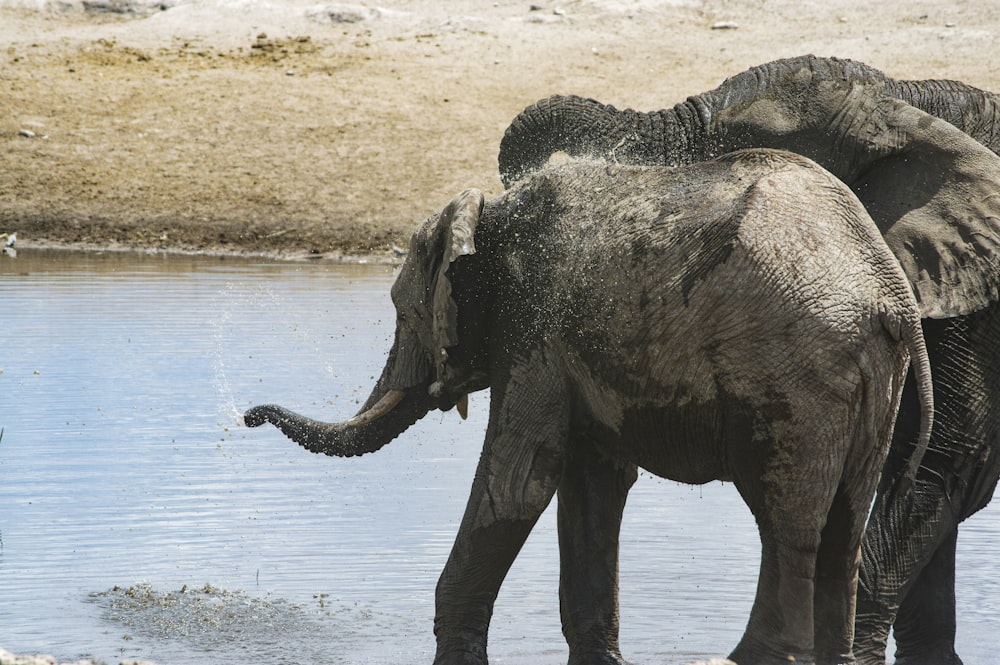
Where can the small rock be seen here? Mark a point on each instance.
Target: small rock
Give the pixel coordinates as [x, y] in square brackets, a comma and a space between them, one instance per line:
[725, 25]
[8, 658]
[27, 133]
[125, 7]
[8, 250]
[342, 13]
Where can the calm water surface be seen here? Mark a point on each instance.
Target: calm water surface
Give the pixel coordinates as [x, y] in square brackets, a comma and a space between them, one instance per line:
[140, 519]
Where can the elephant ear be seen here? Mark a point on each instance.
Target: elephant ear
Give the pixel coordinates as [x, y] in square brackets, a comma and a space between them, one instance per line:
[935, 195]
[456, 230]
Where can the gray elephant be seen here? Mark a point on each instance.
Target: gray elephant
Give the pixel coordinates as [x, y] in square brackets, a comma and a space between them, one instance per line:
[738, 319]
[935, 194]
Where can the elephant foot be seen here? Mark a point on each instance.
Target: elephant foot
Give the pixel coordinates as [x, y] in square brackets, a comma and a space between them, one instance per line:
[836, 660]
[596, 658]
[747, 653]
[461, 656]
[873, 658]
[948, 657]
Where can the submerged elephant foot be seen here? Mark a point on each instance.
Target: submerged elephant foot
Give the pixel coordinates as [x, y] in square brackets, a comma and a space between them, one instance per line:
[931, 658]
[746, 653]
[771, 659]
[460, 658]
[597, 658]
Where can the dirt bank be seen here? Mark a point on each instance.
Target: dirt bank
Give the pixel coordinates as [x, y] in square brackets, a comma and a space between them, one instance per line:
[241, 126]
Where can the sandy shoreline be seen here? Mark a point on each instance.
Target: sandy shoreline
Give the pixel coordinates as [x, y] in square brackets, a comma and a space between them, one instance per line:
[8, 658]
[297, 129]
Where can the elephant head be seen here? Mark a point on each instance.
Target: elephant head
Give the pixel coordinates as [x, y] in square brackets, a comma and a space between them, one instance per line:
[933, 190]
[426, 368]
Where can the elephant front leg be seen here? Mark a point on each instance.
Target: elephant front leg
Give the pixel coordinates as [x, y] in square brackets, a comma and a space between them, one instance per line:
[517, 477]
[837, 577]
[592, 496]
[901, 538]
[468, 587]
[780, 629]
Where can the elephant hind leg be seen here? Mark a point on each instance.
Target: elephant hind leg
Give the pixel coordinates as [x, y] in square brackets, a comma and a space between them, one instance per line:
[837, 577]
[780, 629]
[792, 493]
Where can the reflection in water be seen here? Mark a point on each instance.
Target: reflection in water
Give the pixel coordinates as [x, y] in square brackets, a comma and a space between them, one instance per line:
[133, 500]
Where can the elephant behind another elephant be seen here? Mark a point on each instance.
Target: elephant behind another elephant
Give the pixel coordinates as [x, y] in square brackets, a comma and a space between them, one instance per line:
[933, 191]
[738, 319]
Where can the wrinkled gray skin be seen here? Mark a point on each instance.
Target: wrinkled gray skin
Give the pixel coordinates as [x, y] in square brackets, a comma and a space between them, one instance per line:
[739, 319]
[934, 194]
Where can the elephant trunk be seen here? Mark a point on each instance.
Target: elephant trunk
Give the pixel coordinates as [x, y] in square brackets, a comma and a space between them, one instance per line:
[976, 112]
[582, 127]
[683, 134]
[381, 420]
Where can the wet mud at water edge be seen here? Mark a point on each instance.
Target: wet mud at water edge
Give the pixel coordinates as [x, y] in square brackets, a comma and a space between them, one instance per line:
[134, 501]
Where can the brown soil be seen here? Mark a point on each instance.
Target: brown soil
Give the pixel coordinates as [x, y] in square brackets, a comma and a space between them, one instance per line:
[247, 127]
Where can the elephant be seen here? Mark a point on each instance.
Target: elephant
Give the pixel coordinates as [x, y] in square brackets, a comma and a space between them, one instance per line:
[737, 319]
[935, 194]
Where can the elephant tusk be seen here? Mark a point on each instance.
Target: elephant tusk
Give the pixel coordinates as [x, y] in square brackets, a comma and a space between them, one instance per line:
[382, 407]
[462, 405]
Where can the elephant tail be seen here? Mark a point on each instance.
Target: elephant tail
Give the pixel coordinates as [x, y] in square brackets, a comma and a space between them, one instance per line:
[912, 335]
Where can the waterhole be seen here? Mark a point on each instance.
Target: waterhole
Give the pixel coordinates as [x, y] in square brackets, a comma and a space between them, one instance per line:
[140, 519]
